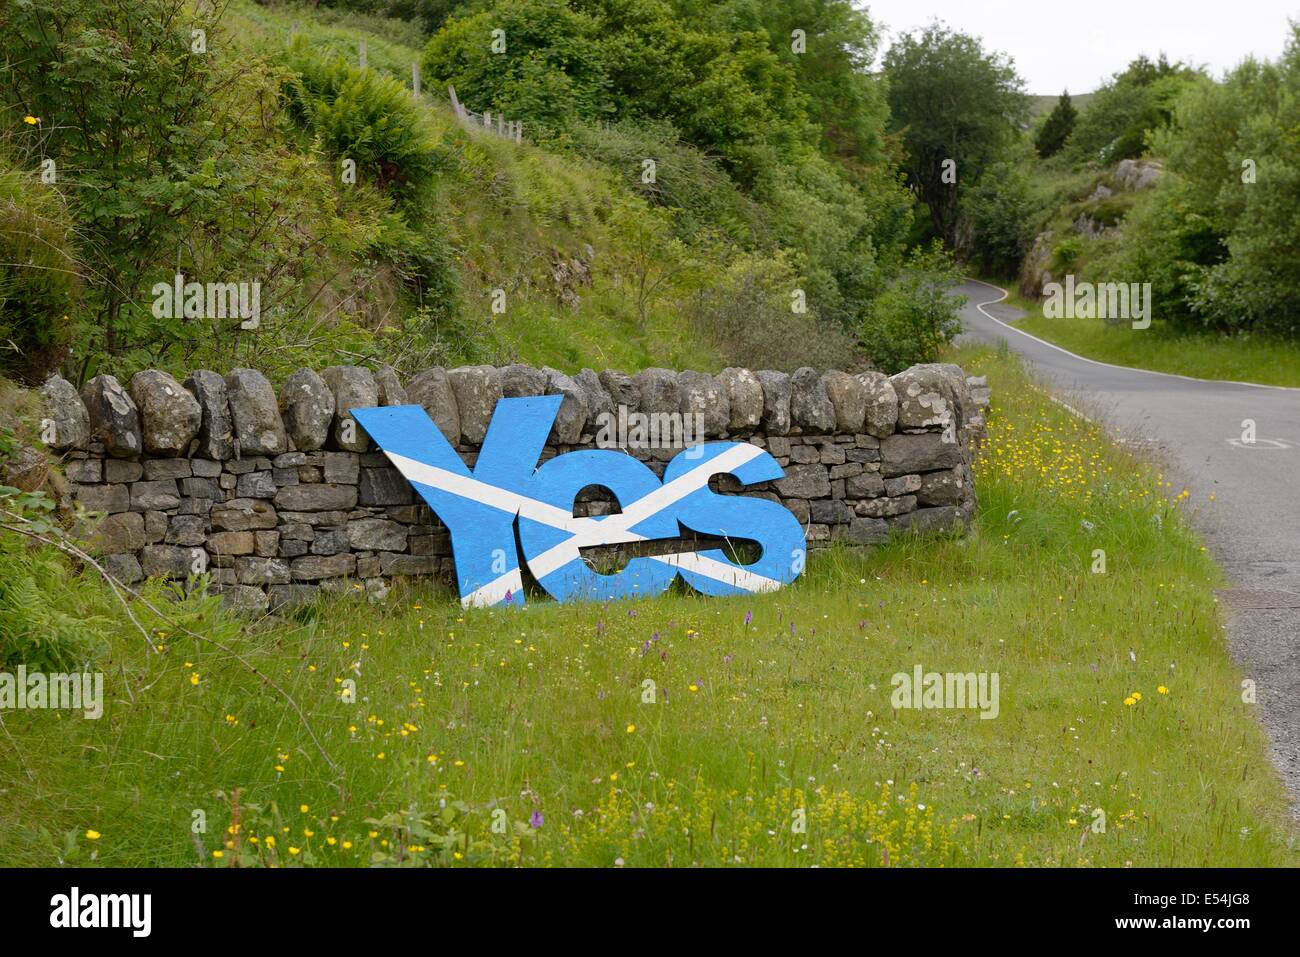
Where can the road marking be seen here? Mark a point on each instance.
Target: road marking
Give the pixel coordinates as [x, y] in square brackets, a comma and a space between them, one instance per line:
[1109, 365]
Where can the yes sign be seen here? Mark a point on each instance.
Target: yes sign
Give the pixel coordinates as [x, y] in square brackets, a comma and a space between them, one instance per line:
[480, 508]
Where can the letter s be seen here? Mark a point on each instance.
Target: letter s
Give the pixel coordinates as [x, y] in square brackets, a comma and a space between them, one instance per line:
[771, 525]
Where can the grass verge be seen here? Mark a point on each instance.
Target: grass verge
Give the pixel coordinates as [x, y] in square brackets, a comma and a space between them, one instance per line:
[1203, 356]
[767, 736]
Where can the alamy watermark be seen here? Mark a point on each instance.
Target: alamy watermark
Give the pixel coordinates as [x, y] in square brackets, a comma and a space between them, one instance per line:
[954, 689]
[208, 300]
[74, 909]
[1112, 301]
[62, 691]
[640, 431]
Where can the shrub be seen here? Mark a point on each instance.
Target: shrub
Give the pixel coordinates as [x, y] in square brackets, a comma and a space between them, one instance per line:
[365, 116]
[43, 621]
[747, 312]
[38, 276]
[998, 219]
[916, 315]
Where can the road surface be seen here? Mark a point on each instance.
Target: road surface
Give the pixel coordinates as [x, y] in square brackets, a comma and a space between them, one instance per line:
[1195, 427]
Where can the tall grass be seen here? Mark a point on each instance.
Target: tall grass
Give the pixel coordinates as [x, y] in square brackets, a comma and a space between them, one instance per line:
[528, 737]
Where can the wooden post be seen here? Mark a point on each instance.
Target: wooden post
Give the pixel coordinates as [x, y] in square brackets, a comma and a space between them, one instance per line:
[501, 125]
[363, 54]
[415, 79]
[487, 119]
[519, 131]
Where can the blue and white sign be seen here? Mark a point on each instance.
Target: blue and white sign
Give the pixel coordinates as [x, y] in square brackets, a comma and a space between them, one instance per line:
[506, 488]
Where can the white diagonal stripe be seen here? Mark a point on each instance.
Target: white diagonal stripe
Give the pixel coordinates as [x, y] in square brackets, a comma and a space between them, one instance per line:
[494, 591]
[561, 554]
[722, 571]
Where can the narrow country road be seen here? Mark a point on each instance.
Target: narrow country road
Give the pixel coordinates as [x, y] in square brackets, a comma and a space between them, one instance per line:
[1195, 427]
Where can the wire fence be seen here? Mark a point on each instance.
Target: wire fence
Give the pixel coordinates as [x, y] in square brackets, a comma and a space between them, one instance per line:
[494, 123]
[498, 124]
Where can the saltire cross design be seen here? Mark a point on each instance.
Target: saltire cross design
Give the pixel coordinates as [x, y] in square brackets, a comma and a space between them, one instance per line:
[508, 490]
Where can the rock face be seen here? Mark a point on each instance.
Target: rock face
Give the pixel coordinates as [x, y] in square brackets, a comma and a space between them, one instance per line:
[65, 413]
[477, 389]
[216, 430]
[599, 402]
[622, 390]
[658, 390]
[390, 386]
[1135, 175]
[254, 414]
[307, 407]
[848, 400]
[925, 398]
[810, 406]
[519, 381]
[354, 387]
[432, 390]
[573, 410]
[170, 415]
[776, 401]
[705, 395]
[882, 404]
[744, 398]
[114, 418]
[267, 500]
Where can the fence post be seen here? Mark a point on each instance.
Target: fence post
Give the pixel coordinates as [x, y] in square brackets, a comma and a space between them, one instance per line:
[487, 119]
[363, 54]
[501, 125]
[519, 131]
[455, 103]
[415, 79]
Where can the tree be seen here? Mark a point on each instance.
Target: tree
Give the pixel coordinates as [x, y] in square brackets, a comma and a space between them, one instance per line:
[955, 106]
[998, 219]
[136, 109]
[1058, 127]
[1138, 100]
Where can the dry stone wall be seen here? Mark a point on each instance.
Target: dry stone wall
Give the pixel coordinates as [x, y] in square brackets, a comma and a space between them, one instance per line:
[273, 495]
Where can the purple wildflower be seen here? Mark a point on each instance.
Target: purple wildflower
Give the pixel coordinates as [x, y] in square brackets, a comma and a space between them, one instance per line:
[537, 820]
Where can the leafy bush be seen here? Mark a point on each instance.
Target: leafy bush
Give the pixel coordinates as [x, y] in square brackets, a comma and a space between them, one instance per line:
[43, 623]
[550, 69]
[746, 310]
[917, 313]
[364, 116]
[686, 179]
[998, 219]
[1067, 254]
[38, 276]
[1124, 113]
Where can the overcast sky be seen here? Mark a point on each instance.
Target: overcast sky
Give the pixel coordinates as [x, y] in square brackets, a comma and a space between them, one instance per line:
[1058, 45]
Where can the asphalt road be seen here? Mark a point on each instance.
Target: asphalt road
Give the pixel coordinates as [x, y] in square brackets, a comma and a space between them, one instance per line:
[1195, 427]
